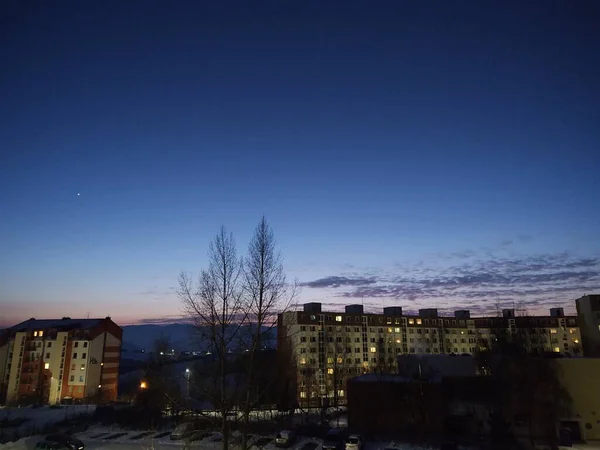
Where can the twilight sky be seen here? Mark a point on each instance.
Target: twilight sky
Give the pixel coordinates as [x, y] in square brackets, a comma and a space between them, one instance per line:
[425, 154]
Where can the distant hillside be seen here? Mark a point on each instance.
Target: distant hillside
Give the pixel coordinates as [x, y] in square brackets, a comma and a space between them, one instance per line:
[182, 337]
[138, 337]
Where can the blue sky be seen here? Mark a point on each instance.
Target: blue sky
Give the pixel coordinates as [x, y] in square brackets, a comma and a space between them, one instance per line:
[414, 153]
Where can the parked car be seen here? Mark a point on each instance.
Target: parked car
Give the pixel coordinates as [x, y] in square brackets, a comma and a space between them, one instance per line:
[285, 438]
[67, 440]
[334, 440]
[181, 431]
[48, 445]
[354, 442]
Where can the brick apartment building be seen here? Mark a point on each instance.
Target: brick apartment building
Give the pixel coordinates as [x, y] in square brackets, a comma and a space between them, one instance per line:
[323, 349]
[47, 361]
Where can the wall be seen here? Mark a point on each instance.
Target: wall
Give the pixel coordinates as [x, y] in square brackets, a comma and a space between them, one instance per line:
[96, 349]
[588, 311]
[581, 378]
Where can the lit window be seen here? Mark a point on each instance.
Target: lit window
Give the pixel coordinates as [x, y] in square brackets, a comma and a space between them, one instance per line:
[83, 367]
[41, 333]
[553, 331]
[35, 334]
[571, 330]
[418, 321]
[397, 330]
[340, 359]
[373, 349]
[411, 321]
[337, 319]
[330, 371]
[330, 360]
[398, 341]
[303, 394]
[47, 366]
[341, 393]
[302, 360]
[557, 349]
[576, 341]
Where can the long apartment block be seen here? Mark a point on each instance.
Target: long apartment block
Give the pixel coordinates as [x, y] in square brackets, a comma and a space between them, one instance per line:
[50, 360]
[326, 348]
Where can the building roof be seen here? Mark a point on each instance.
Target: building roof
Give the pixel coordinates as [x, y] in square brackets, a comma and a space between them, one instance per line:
[60, 324]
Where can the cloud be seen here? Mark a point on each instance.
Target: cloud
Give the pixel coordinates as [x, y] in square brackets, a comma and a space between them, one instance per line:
[336, 282]
[479, 284]
[156, 291]
[164, 320]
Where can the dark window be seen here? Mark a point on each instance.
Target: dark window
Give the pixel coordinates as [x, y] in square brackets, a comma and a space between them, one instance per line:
[76, 344]
[72, 378]
[85, 344]
[74, 355]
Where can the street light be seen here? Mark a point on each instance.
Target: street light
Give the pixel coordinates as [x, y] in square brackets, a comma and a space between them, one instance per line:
[187, 383]
[143, 385]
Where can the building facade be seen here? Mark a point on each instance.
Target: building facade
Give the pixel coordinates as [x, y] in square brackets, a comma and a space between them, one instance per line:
[588, 314]
[48, 361]
[325, 349]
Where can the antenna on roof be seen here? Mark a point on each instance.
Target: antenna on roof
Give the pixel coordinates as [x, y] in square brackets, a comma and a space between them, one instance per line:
[88, 315]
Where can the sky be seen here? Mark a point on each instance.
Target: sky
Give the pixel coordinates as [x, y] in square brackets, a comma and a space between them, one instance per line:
[421, 154]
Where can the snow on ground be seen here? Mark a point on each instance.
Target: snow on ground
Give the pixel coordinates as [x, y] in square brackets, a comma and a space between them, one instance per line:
[37, 419]
[27, 443]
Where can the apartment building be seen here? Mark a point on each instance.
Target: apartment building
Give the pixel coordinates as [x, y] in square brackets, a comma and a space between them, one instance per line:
[50, 360]
[588, 314]
[324, 349]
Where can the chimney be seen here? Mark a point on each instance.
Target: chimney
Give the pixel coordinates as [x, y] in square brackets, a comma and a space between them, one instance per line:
[428, 312]
[392, 310]
[462, 314]
[508, 313]
[313, 308]
[354, 309]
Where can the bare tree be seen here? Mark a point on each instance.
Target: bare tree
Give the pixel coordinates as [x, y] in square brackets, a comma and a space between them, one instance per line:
[266, 294]
[216, 307]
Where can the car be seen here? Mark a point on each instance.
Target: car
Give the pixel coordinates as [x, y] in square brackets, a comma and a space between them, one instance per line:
[334, 440]
[67, 440]
[354, 442]
[285, 438]
[48, 445]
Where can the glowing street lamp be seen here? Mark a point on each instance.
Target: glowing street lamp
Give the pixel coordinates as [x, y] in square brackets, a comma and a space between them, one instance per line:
[143, 385]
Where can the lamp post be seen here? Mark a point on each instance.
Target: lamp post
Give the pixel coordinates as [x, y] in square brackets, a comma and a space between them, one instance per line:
[187, 383]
